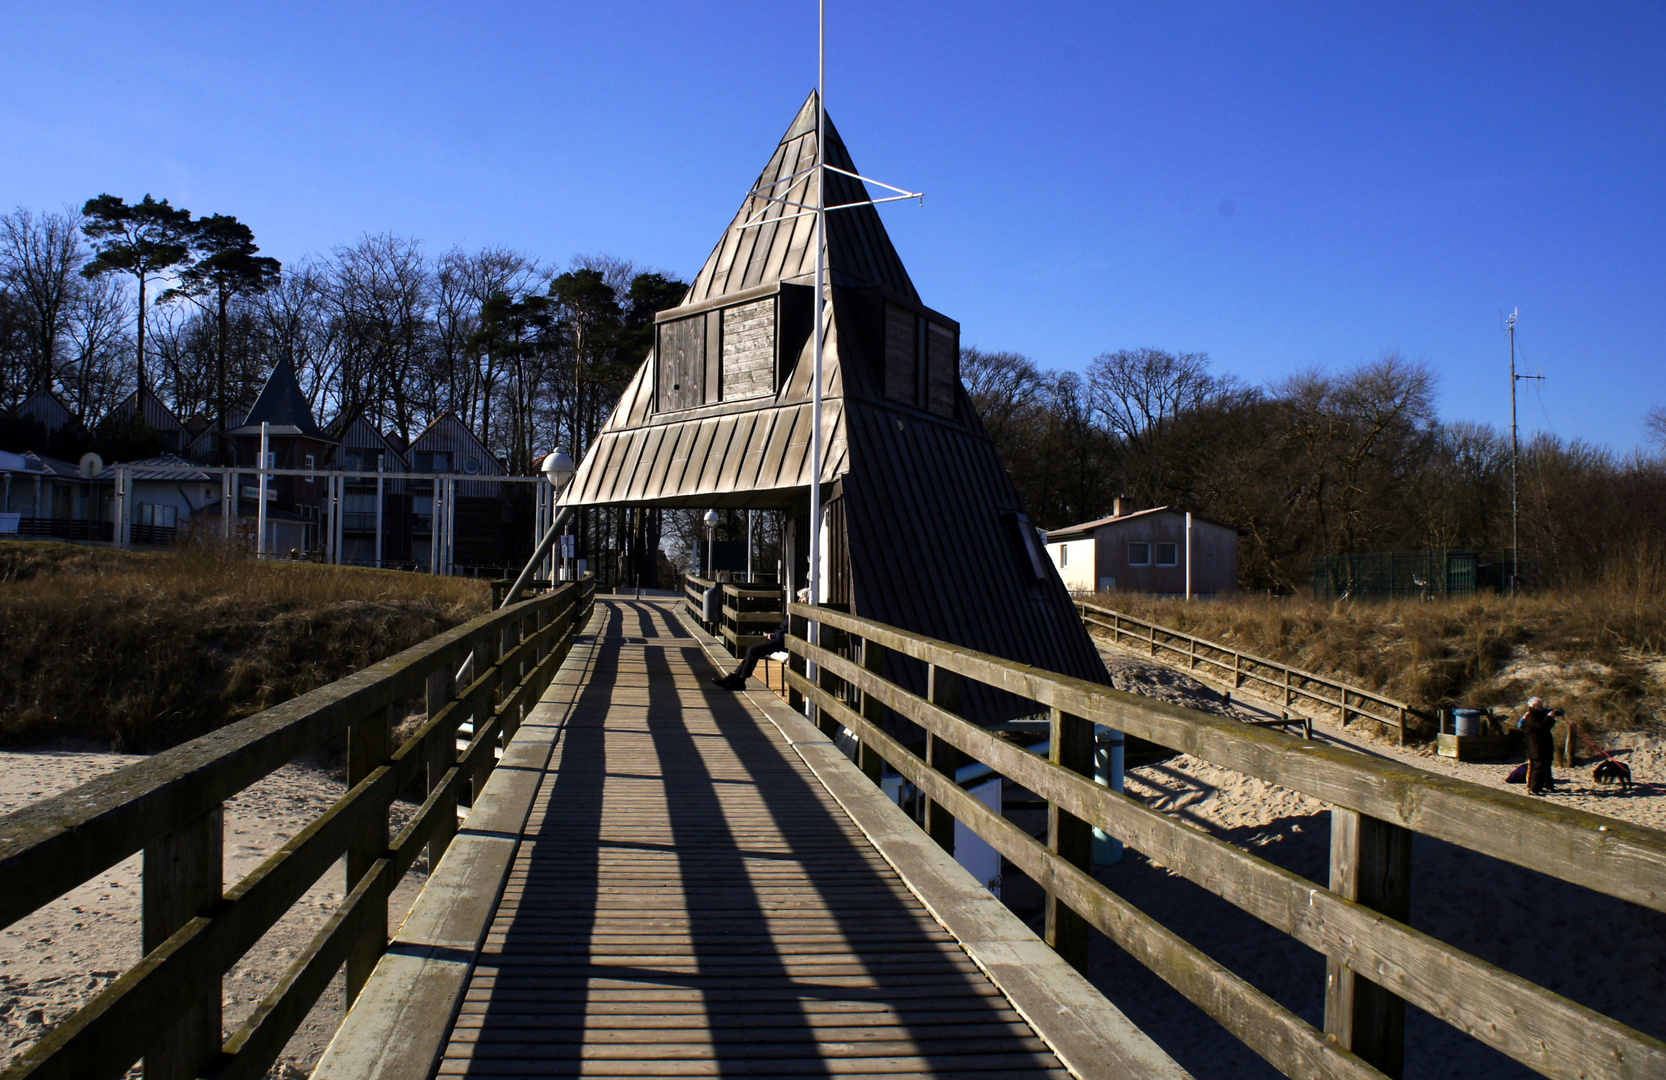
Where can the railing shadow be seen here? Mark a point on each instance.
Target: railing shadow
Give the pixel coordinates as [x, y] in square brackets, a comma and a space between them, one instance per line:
[684, 881]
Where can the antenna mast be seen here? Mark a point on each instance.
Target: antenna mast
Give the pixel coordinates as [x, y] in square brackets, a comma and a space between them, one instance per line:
[1515, 454]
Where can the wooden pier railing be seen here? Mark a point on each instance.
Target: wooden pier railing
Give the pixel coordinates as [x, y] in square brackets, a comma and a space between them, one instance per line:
[745, 615]
[1235, 669]
[694, 599]
[486, 674]
[1375, 961]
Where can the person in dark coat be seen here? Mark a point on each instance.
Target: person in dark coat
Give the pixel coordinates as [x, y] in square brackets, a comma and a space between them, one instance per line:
[774, 643]
[1536, 722]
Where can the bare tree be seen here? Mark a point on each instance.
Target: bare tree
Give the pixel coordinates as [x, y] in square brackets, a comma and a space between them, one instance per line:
[381, 294]
[40, 259]
[1654, 423]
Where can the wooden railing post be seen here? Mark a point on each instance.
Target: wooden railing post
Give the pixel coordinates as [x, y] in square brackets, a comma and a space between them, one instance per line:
[1069, 837]
[943, 691]
[873, 659]
[486, 654]
[369, 744]
[799, 627]
[182, 879]
[438, 756]
[1370, 863]
[515, 675]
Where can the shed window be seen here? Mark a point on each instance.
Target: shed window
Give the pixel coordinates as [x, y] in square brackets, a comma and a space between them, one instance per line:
[1168, 554]
[1139, 554]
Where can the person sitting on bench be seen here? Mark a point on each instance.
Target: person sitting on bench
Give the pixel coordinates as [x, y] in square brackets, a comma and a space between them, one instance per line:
[774, 643]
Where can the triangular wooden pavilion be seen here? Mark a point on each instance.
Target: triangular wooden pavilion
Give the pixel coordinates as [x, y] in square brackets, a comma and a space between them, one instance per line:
[923, 530]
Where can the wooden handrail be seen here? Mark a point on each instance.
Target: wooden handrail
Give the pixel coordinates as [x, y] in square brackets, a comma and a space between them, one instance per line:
[1547, 1032]
[53, 845]
[1389, 711]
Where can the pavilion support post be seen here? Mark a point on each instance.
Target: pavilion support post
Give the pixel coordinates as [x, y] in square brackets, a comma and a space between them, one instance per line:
[182, 880]
[1370, 863]
[1069, 836]
[943, 691]
[369, 745]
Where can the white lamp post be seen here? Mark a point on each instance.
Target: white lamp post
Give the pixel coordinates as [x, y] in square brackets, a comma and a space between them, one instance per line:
[711, 519]
[558, 470]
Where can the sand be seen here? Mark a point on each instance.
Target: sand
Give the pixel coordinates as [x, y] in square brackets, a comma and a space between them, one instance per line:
[55, 960]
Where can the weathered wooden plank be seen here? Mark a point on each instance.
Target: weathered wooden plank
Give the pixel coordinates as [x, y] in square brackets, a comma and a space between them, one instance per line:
[1284, 1039]
[182, 881]
[1611, 856]
[1069, 838]
[1553, 1035]
[1370, 865]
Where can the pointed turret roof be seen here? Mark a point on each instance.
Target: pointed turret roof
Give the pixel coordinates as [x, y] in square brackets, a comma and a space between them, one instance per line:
[859, 250]
[283, 406]
[929, 532]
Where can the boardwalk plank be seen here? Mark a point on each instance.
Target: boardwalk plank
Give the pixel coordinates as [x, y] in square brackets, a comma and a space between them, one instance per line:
[688, 900]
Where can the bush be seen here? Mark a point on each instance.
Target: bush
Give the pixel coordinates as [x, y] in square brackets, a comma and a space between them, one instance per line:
[142, 651]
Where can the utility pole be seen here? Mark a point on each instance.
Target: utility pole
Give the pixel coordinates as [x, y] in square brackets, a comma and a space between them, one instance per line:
[1515, 454]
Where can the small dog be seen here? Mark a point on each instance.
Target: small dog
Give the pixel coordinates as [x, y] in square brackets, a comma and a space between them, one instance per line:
[1609, 771]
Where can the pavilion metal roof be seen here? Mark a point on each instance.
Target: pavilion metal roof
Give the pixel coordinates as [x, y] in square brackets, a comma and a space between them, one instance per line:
[937, 540]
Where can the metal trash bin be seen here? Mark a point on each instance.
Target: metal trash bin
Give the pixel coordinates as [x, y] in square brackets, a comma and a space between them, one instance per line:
[711, 606]
[1467, 722]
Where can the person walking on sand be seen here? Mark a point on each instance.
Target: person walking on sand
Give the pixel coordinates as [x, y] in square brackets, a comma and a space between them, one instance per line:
[1536, 722]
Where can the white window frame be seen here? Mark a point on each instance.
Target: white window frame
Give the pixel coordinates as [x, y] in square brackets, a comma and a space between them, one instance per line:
[1173, 552]
[1144, 560]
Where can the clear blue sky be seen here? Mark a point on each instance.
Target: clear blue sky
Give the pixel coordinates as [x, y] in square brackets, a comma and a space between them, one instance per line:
[1281, 186]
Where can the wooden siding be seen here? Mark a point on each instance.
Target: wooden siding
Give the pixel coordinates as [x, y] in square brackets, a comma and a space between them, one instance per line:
[749, 350]
[448, 434]
[901, 354]
[942, 369]
[44, 407]
[682, 363]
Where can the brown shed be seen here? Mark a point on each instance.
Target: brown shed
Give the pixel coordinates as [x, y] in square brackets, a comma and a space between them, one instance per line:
[924, 530]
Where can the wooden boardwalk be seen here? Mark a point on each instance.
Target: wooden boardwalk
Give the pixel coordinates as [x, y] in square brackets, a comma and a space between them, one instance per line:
[688, 899]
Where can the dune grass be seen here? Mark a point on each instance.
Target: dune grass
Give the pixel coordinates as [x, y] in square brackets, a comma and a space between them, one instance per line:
[1599, 651]
[141, 651]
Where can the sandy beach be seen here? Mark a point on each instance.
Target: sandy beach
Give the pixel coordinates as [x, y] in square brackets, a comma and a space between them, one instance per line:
[55, 960]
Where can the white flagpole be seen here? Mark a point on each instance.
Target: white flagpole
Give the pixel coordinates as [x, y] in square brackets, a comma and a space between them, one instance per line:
[814, 576]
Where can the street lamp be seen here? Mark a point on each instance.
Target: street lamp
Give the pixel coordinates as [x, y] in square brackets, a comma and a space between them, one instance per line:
[558, 470]
[711, 519]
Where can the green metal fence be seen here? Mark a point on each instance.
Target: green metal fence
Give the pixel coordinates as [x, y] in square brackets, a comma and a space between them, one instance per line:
[1417, 574]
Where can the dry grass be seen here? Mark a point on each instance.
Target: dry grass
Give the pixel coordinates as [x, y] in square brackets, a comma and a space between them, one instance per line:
[144, 651]
[1600, 652]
